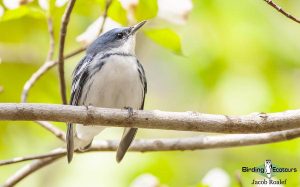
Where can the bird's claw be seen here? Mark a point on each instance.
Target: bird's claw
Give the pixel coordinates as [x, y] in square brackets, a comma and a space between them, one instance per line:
[130, 111]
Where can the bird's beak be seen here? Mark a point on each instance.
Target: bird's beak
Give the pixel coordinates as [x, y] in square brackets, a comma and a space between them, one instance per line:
[137, 27]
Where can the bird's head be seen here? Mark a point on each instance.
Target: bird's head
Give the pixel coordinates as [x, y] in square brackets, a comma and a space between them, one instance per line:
[118, 40]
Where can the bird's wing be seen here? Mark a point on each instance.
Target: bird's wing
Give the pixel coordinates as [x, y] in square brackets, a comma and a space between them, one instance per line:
[80, 75]
[143, 81]
[129, 133]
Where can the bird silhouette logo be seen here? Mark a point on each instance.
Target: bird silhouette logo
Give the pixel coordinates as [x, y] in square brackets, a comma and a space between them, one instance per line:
[268, 168]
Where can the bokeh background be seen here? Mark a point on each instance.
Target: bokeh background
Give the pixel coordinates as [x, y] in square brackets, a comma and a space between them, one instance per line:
[237, 57]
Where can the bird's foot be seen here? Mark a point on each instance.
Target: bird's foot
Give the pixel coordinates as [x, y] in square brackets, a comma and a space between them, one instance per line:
[87, 106]
[84, 148]
[130, 111]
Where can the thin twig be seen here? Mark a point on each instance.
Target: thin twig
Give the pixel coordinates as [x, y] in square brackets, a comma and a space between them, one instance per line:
[63, 32]
[35, 157]
[54, 130]
[178, 144]
[49, 58]
[51, 39]
[279, 9]
[107, 5]
[28, 169]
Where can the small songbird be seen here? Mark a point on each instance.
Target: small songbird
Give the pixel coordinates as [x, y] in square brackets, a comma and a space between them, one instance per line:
[109, 76]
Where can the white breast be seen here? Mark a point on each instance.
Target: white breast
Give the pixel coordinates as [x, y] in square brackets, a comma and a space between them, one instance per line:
[116, 85]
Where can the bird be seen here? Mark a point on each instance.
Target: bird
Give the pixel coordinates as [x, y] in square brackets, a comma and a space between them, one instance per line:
[108, 76]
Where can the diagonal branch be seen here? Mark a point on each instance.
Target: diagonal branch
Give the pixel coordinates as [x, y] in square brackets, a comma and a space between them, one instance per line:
[60, 151]
[181, 121]
[54, 130]
[279, 9]
[28, 169]
[42, 70]
[63, 32]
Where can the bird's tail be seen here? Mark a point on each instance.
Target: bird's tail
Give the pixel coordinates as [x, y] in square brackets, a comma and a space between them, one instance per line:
[128, 136]
[74, 143]
[70, 142]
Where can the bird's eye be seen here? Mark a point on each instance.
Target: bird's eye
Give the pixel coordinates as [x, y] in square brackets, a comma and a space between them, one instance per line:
[120, 35]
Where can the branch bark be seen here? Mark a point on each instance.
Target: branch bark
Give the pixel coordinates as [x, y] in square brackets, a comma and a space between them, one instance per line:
[279, 9]
[63, 32]
[182, 121]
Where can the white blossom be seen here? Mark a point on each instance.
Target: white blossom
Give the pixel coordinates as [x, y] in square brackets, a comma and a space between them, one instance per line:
[145, 180]
[44, 4]
[13, 4]
[216, 177]
[129, 4]
[174, 11]
[1, 14]
[60, 3]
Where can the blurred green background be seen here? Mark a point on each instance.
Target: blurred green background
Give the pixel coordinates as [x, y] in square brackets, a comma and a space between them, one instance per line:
[238, 57]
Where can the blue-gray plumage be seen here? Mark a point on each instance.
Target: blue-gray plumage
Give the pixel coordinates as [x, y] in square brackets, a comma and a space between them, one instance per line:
[108, 76]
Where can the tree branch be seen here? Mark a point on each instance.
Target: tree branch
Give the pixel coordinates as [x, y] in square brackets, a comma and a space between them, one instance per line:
[42, 70]
[54, 130]
[49, 58]
[193, 143]
[51, 39]
[182, 121]
[60, 151]
[259, 122]
[63, 32]
[107, 5]
[28, 169]
[279, 9]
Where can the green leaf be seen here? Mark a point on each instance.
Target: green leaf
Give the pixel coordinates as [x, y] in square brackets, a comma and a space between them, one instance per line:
[117, 13]
[21, 12]
[146, 9]
[167, 38]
